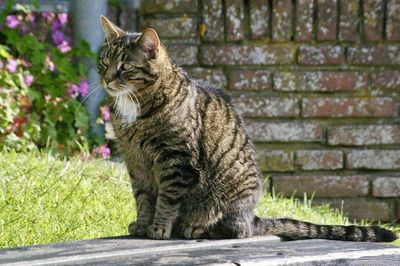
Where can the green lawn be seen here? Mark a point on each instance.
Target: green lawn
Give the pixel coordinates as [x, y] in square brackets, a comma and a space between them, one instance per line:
[45, 199]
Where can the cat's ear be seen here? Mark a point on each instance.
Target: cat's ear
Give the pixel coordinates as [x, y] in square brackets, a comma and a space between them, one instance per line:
[110, 30]
[149, 41]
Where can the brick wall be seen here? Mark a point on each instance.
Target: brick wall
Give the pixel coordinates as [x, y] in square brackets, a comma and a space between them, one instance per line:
[318, 83]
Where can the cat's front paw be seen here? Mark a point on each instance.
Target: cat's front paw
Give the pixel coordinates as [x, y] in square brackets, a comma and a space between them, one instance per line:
[137, 229]
[158, 232]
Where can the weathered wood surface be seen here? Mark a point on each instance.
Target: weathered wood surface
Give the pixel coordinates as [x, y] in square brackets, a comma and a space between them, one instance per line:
[254, 251]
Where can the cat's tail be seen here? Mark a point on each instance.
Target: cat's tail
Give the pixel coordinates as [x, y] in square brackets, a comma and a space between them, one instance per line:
[295, 229]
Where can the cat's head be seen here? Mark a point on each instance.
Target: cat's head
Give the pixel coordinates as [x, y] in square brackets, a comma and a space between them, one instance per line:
[129, 61]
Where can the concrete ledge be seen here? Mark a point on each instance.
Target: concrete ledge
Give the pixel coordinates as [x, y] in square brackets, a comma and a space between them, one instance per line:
[254, 251]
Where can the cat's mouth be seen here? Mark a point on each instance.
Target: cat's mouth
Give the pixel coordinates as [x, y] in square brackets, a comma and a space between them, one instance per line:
[117, 92]
[114, 90]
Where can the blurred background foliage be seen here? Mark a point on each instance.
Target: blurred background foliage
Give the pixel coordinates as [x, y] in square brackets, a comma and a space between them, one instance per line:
[43, 85]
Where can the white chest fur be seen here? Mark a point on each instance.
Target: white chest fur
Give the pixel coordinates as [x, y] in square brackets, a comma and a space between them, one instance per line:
[127, 109]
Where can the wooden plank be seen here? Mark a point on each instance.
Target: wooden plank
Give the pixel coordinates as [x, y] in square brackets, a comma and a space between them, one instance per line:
[254, 251]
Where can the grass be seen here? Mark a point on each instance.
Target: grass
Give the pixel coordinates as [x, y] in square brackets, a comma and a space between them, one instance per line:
[45, 199]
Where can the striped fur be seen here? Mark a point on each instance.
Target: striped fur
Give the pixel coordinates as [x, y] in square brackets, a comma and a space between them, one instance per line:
[191, 162]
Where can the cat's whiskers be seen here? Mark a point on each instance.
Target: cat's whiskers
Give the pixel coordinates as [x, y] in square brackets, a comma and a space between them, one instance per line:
[145, 90]
[138, 103]
[141, 95]
[129, 95]
[95, 90]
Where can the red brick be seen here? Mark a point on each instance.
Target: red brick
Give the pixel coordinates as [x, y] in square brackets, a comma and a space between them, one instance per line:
[349, 107]
[304, 20]
[250, 80]
[373, 19]
[387, 79]
[259, 19]
[349, 20]
[362, 208]
[167, 6]
[322, 186]
[320, 81]
[234, 54]
[374, 159]
[285, 131]
[182, 54]
[319, 159]
[375, 55]
[213, 19]
[235, 22]
[321, 55]
[282, 20]
[361, 135]
[262, 106]
[393, 20]
[327, 15]
[213, 76]
[182, 27]
[275, 161]
[386, 186]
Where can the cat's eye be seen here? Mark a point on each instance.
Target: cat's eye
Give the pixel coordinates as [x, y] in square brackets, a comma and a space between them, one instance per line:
[127, 66]
[105, 61]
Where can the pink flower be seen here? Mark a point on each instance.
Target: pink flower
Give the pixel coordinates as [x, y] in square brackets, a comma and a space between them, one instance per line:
[50, 64]
[73, 90]
[83, 87]
[58, 37]
[1, 64]
[101, 151]
[28, 79]
[12, 21]
[63, 18]
[64, 47]
[105, 113]
[48, 16]
[12, 65]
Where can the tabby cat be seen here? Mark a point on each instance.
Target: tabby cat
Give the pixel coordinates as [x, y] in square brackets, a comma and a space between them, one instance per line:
[191, 163]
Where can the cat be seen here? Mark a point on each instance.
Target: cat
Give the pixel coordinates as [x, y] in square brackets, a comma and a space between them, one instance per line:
[191, 163]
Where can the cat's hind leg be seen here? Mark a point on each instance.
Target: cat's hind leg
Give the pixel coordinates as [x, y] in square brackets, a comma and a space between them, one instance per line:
[235, 224]
[197, 219]
[195, 232]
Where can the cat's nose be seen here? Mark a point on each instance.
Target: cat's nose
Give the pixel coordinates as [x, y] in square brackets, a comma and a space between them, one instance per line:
[108, 77]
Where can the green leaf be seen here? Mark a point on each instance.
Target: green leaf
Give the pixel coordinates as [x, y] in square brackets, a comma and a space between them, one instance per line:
[34, 94]
[3, 52]
[81, 120]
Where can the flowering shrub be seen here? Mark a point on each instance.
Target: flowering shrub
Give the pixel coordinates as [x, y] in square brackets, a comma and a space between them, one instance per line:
[42, 83]
[101, 151]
